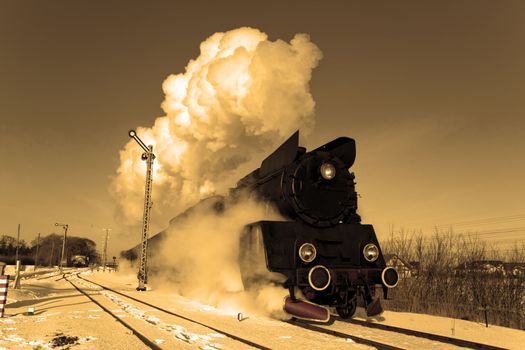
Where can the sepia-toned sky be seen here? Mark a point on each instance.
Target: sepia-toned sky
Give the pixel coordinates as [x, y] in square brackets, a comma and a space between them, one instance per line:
[433, 93]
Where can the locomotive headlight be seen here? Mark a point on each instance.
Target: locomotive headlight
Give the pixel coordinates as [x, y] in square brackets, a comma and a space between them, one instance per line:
[371, 252]
[307, 252]
[327, 171]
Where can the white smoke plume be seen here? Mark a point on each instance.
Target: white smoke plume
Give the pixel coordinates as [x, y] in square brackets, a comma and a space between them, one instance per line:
[198, 259]
[244, 94]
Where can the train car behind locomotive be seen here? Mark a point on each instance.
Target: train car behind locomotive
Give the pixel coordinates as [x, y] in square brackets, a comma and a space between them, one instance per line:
[322, 251]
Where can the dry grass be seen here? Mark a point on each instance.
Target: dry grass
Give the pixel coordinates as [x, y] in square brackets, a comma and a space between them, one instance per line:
[441, 288]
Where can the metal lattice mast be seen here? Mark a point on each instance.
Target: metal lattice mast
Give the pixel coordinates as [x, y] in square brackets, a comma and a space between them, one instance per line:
[105, 249]
[148, 156]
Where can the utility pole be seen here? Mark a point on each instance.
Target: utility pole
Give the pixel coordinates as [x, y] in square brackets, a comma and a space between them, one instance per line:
[65, 226]
[17, 277]
[148, 156]
[37, 246]
[52, 253]
[106, 248]
[17, 242]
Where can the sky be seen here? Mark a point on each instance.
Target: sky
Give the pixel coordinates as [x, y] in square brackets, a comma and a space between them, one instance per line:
[432, 92]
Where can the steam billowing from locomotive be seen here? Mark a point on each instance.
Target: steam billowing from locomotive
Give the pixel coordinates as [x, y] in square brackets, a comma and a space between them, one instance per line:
[244, 92]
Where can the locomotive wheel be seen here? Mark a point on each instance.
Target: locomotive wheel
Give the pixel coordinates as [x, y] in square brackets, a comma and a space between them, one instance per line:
[348, 310]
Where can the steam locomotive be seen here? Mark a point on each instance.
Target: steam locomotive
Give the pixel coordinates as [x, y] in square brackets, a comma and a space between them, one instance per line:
[322, 251]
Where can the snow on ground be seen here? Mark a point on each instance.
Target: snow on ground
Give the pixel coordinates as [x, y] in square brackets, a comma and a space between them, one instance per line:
[455, 328]
[29, 271]
[63, 319]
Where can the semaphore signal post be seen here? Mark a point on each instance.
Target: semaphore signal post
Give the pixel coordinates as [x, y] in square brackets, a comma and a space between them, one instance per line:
[148, 156]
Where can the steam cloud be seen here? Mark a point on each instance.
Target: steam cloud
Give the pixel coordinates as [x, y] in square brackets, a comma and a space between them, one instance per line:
[244, 94]
[198, 259]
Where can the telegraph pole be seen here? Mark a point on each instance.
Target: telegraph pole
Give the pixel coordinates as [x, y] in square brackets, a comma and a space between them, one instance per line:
[148, 156]
[17, 277]
[52, 253]
[65, 226]
[106, 248]
[17, 242]
[37, 246]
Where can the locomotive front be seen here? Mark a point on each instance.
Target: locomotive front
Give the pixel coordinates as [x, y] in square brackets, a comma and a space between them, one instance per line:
[323, 251]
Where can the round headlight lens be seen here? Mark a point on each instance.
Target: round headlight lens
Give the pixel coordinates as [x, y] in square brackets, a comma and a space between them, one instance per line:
[307, 252]
[327, 171]
[371, 252]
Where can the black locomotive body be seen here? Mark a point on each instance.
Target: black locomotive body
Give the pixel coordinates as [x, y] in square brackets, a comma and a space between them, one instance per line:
[323, 251]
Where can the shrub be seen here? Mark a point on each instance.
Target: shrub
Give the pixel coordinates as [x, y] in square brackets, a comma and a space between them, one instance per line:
[452, 280]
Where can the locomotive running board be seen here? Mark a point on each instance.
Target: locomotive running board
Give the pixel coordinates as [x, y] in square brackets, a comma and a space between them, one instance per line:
[306, 310]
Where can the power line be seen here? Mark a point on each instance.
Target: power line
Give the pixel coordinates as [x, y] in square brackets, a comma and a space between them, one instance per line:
[516, 231]
[485, 221]
[458, 240]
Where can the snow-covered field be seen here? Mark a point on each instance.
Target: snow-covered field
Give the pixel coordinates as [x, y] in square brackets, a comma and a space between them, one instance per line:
[64, 319]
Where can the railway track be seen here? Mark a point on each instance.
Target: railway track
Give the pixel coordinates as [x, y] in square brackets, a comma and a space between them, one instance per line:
[151, 344]
[338, 334]
[57, 274]
[336, 328]
[356, 339]
[145, 339]
[316, 328]
[449, 340]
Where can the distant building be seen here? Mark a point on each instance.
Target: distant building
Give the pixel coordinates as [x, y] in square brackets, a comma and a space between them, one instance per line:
[403, 268]
[485, 266]
[416, 267]
[514, 269]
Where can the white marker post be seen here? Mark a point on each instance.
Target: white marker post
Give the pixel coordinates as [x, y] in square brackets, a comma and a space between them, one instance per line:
[4, 282]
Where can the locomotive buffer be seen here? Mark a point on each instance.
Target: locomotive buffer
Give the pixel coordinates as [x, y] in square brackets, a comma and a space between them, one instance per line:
[148, 156]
